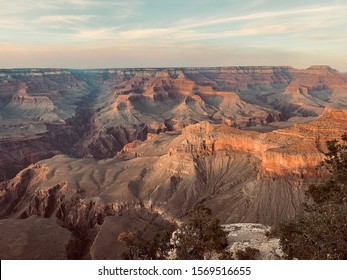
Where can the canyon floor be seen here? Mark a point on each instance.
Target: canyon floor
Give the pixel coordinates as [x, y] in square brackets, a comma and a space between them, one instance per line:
[88, 154]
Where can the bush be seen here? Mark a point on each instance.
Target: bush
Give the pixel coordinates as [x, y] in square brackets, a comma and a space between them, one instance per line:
[139, 248]
[321, 233]
[248, 253]
[200, 238]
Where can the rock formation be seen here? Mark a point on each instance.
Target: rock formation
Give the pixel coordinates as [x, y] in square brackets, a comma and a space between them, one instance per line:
[82, 150]
[241, 236]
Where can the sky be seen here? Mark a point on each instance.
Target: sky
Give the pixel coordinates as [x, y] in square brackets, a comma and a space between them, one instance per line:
[166, 33]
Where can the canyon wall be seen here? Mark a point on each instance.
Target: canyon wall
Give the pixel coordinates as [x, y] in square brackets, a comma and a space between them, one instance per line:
[83, 149]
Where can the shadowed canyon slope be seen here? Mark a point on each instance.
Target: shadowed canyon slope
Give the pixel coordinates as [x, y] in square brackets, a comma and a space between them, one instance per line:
[98, 151]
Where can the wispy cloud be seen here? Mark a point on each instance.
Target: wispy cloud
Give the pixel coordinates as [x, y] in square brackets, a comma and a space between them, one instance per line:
[96, 34]
[332, 37]
[147, 33]
[81, 3]
[28, 9]
[288, 21]
[69, 19]
[188, 24]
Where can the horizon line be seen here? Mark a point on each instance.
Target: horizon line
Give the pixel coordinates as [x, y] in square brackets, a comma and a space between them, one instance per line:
[170, 67]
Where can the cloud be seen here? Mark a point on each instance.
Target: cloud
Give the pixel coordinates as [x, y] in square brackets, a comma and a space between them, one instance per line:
[261, 30]
[253, 24]
[146, 33]
[30, 9]
[96, 34]
[111, 23]
[329, 37]
[255, 16]
[69, 19]
[81, 3]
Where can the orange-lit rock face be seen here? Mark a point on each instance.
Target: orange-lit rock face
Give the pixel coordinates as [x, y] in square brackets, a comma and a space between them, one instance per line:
[304, 145]
[300, 165]
[293, 152]
[275, 161]
[335, 115]
[131, 146]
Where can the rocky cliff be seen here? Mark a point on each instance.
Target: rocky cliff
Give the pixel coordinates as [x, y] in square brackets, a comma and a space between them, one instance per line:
[40, 115]
[243, 176]
[118, 106]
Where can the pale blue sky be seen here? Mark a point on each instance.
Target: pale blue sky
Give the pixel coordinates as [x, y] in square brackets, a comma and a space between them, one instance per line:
[154, 33]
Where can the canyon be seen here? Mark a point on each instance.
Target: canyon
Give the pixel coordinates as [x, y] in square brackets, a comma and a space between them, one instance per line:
[87, 154]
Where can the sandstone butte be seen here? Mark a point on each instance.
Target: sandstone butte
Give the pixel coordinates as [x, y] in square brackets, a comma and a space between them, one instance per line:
[86, 154]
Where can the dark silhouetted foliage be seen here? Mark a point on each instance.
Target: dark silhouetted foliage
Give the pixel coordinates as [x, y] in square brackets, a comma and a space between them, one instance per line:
[321, 233]
[248, 253]
[202, 237]
[140, 248]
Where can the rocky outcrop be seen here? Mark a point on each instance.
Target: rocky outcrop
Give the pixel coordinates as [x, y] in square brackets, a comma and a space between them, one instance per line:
[38, 116]
[18, 154]
[32, 102]
[293, 152]
[240, 236]
[334, 114]
[106, 143]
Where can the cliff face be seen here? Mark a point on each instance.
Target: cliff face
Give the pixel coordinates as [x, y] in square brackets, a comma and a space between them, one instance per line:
[194, 159]
[106, 109]
[38, 107]
[122, 105]
[290, 153]
[170, 99]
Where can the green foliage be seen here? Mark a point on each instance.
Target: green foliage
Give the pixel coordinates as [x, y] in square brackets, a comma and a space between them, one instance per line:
[201, 238]
[334, 190]
[321, 233]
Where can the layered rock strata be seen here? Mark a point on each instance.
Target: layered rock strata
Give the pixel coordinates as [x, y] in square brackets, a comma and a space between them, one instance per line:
[154, 142]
